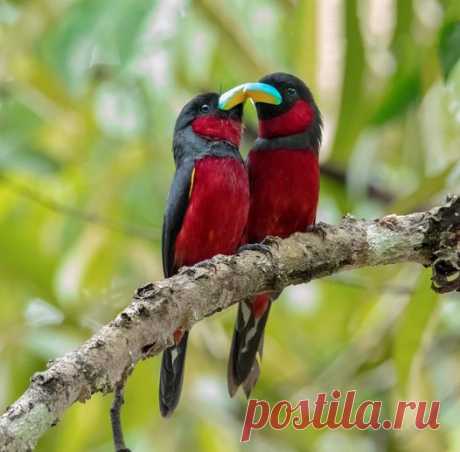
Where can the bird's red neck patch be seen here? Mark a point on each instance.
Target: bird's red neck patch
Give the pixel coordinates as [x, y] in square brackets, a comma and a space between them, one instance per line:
[293, 121]
[218, 128]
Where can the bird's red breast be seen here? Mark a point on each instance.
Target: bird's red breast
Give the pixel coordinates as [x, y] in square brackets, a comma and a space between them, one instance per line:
[217, 212]
[284, 186]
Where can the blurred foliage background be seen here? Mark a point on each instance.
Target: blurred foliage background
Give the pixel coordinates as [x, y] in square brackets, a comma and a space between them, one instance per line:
[89, 92]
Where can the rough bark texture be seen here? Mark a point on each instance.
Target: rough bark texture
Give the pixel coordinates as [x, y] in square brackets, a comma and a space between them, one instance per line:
[146, 326]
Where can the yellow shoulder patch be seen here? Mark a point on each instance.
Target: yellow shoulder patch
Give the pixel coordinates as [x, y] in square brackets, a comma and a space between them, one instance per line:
[192, 179]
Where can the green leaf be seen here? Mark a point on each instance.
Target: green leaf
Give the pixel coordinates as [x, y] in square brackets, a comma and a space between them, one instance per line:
[405, 86]
[449, 47]
[230, 28]
[411, 330]
[403, 92]
[351, 116]
[104, 32]
[304, 26]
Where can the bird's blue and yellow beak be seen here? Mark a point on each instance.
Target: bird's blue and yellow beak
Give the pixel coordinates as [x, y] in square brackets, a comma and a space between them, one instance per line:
[258, 92]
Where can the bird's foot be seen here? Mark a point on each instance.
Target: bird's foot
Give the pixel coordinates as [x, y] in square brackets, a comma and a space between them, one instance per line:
[318, 228]
[259, 247]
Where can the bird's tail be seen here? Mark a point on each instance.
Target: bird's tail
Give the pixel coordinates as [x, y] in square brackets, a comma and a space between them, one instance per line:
[172, 375]
[247, 343]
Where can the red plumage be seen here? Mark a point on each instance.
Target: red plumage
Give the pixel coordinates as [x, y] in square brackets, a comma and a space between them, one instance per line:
[217, 128]
[217, 211]
[293, 121]
[259, 304]
[284, 186]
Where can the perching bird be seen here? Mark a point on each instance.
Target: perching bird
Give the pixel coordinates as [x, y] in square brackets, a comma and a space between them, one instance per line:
[207, 208]
[284, 185]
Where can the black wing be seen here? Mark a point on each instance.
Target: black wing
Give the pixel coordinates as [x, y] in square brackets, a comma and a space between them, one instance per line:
[175, 212]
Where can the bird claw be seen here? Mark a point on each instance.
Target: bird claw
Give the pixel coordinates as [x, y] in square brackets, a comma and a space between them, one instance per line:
[259, 247]
[319, 229]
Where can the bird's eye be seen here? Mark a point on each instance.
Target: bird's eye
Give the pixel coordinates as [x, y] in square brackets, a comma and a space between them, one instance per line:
[204, 108]
[291, 91]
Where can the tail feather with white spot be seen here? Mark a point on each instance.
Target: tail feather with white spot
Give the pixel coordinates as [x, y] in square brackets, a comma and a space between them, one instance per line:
[247, 344]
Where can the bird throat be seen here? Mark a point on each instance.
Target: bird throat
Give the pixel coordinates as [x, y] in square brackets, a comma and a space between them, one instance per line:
[294, 121]
[215, 128]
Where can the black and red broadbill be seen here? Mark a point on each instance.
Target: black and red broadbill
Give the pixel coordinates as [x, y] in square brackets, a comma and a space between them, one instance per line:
[284, 188]
[207, 208]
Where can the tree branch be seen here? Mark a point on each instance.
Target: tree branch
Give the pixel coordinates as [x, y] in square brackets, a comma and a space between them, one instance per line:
[146, 326]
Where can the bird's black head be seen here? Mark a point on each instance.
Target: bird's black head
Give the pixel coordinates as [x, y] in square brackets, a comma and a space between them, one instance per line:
[204, 117]
[285, 106]
[291, 88]
[296, 113]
